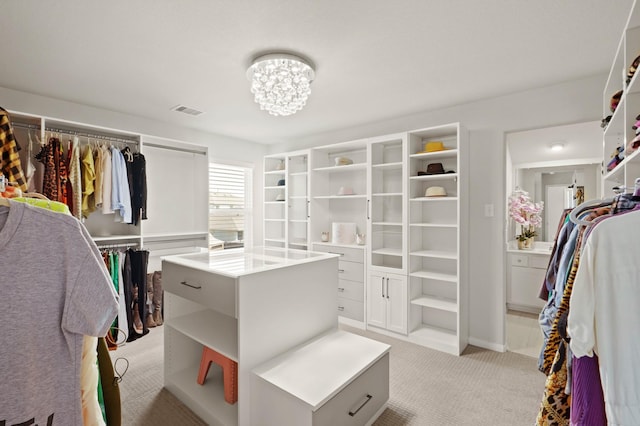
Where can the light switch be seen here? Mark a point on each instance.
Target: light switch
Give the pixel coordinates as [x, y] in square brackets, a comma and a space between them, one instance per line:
[488, 210]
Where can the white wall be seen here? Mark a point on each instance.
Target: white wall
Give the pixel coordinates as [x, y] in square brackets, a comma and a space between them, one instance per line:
[488, 121]
[221, 148]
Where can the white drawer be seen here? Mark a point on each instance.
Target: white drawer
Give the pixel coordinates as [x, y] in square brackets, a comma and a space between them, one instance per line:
[519, 260]
[212, 291]
[353, 290]
[351, 271]
[540, 262]
[351, 309]
[359, 400]
[350, 254]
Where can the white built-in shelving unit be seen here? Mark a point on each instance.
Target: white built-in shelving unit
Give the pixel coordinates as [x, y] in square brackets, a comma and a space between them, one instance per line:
[409, 277]
[619, 131]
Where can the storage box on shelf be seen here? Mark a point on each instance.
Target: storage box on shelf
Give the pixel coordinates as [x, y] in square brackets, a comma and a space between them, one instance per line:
[619, 132]
[437, 250]
[387, 216]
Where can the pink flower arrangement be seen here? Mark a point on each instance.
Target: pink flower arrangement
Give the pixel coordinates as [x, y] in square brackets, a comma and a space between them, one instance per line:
[525, 212]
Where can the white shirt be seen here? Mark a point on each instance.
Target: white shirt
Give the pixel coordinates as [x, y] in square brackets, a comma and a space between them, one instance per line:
[604, 313]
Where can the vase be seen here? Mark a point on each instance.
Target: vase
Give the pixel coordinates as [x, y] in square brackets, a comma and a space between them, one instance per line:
[528, 243]
[521, 244]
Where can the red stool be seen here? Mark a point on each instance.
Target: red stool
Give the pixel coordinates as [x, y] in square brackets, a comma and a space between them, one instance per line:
[229, 372]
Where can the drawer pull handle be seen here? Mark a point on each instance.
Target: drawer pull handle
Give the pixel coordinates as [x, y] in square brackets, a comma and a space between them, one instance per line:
[364, 402]
[335, 252]
[341, 271]
[341, 308]
[197, 287]
[341, 289]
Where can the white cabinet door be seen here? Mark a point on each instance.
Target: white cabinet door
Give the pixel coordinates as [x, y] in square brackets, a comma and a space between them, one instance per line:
[376, 301]
[396, 292]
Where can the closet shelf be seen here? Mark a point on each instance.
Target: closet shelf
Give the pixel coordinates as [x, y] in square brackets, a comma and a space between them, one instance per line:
[440, 254]
[275, 172]
[434, 155]
[339, 197]
[387, 194]
[347, 168]
[433, 334]
[442, 176]
[116, 237]
[434, 225]
[298, 174]
[387, 251]
[438, 276]
[276, 187]
[388, 166]
[172, 236]
[298, 220]
[274, 240]
[223, 337]
[297, 197]
[434, 199]
[274, 220]
[386, 223]
[209, 396]
[435, 302]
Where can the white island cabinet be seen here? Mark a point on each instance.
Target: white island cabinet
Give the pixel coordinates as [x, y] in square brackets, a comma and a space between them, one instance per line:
[249, 305]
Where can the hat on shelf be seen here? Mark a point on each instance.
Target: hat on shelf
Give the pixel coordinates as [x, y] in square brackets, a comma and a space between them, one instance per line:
[436, 169]
[435, 191]
[615, 100]
[281, 182]
[632, 69]
[433, 146]
[633, 145]
[343, 161]
[280, 197]
[280, 165]
[345, 190]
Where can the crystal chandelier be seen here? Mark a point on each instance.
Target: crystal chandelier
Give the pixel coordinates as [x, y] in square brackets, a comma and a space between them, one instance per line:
[280, 82]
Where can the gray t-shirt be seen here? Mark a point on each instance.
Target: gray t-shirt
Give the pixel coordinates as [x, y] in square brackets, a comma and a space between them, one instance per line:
[54, 288]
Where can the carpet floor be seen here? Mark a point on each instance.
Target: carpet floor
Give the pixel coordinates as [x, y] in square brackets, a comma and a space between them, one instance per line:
[427, 387]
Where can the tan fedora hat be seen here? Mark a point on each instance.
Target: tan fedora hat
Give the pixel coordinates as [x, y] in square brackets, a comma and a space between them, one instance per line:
[435, 191]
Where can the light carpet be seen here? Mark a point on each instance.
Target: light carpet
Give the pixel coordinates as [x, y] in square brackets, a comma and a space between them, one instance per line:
[427, 387]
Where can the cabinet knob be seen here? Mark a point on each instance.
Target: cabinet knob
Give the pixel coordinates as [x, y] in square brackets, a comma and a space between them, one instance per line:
[341, 308]
[340, 289]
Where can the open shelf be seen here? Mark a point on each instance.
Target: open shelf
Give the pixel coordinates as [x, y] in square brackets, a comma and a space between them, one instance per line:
[435, 155]
[429, 333]
[436, 303]
[210, 328]
[441, 176]
[387, 251]
[435, 276]
[346, 168]
[434, 199]
[208, 398]
[434, 225]
[435, 253]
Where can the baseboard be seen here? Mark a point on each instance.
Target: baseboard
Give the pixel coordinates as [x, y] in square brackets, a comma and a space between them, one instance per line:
[487, 345]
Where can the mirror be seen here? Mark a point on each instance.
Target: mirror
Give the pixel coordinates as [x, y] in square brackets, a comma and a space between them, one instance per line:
[559, 166]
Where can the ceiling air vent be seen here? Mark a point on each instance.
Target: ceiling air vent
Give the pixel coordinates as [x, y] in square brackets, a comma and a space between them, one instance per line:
[186, 110]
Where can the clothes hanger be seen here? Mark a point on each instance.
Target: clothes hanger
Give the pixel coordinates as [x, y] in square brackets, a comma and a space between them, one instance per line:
[587, 205]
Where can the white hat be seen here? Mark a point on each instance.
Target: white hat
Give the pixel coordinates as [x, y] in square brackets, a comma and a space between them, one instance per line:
[435, 191]
[343, 161]
[280, 197]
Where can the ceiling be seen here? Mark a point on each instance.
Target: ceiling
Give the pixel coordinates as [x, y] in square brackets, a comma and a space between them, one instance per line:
[375, 59]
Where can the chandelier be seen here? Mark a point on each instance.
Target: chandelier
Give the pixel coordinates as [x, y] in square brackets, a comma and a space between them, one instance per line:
[280, 82]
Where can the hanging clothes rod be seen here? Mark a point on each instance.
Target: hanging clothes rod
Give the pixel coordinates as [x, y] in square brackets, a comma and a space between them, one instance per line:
[174, 148]
[26, 126]
[91, 136]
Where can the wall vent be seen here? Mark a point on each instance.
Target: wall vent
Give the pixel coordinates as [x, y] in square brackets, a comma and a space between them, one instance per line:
[186, 110]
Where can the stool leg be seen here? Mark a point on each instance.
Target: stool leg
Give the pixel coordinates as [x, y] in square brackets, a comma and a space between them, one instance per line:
[205, 363]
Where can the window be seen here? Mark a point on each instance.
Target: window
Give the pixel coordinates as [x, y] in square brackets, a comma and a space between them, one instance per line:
[229, 201]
